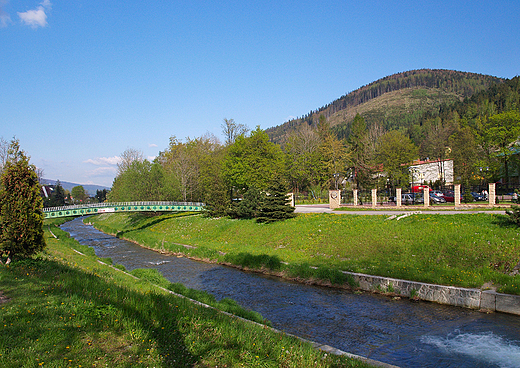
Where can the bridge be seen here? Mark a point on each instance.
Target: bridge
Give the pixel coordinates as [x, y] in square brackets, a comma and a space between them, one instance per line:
[96, 208]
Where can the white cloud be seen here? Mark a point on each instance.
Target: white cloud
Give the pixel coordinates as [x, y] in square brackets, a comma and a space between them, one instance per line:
[102, 171]
[152, 145]
[36, 18]
[100, 161]
[5, 18]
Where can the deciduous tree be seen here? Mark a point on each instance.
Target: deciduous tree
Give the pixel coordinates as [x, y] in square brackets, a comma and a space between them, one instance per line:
[78, 194]
[394, 151]
[253, 161]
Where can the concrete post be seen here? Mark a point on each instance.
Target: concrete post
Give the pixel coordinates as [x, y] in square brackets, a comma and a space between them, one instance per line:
[398, 197]
[290, 197]
[355, 192]
[426, 194]
[492, 194]
[457, 195]
[374, 198]
[334, 199]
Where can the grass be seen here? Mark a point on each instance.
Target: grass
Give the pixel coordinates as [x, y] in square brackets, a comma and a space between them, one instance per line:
[466, 250]
[65, 309]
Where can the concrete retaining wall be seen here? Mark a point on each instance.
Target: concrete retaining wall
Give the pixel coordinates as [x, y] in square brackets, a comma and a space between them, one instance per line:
[449, 295]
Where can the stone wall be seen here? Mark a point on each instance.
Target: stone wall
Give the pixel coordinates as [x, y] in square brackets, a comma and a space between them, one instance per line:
[460, 297]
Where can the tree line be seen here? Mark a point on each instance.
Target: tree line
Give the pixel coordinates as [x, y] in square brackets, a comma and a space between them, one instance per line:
[480, 134]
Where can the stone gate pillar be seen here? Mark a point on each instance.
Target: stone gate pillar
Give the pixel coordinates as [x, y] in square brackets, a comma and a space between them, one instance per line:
[398, 197]
[290, 197]
[426, 194]
[374, 198]
[492, 194]
[334, 199]
[355, 193]
[456, 199]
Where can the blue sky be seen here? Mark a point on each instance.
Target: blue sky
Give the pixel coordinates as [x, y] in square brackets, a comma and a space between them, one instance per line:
[81, 81]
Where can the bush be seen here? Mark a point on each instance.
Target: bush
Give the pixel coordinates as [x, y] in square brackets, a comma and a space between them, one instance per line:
[514, 214]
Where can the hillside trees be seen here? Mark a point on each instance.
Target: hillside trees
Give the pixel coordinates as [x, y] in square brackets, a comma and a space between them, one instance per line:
[21, 215]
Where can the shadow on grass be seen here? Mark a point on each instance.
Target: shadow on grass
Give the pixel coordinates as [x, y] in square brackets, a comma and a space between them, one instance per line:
[64, 307]
[504, 221]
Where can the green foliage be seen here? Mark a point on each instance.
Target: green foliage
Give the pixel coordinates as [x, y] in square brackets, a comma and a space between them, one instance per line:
[216, 193]
[361, 156]
[78, 194]
[101, 195]
[140, 181]
[396, 149]
[275, 205]
[252, 161]
[467, 197]
[248, 207]
[21, 215]
[57, 198]
[514, 214]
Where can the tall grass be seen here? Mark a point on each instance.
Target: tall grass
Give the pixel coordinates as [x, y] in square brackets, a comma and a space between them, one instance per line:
[65, 309]
[467, 250]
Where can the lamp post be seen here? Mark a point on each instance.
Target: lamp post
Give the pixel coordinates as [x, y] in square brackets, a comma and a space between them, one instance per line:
[413, 170]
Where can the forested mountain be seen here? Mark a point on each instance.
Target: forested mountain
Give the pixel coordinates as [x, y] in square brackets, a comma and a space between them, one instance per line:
[394, 102]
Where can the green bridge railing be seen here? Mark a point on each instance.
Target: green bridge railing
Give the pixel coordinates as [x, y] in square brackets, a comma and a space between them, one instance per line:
[95, 208]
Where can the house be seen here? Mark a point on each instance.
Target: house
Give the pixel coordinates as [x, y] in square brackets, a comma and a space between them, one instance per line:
[425, 172]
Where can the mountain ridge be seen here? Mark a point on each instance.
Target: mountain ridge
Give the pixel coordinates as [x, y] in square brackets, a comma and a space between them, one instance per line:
[447, 85]
[89, 188]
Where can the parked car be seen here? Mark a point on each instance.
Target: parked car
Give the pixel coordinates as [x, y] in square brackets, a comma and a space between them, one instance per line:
[478, 196]
[437, 199]
[449, 196]
[412, 198]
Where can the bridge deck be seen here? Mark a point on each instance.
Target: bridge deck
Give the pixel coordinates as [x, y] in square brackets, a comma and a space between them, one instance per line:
[95, 208]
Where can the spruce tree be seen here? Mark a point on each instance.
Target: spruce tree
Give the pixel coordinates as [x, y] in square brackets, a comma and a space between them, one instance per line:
[248, 207]
[275, 205]
[21, 215]
[58, 196]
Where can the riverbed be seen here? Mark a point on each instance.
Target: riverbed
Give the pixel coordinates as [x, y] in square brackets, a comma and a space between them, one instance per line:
[398, 332]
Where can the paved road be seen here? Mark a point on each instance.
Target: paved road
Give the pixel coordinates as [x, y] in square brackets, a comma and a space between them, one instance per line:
[324, 208]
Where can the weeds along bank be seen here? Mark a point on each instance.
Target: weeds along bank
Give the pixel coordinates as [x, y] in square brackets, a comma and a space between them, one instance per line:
[64, 308]
[466, 250]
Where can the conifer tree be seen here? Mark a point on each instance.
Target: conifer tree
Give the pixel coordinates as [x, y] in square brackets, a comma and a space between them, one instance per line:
[21, 215]
[275, 205]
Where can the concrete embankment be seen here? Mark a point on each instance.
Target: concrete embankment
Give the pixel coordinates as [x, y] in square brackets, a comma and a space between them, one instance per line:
[485, 300]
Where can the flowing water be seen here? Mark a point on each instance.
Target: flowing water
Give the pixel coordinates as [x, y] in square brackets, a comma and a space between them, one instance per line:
[398, 332]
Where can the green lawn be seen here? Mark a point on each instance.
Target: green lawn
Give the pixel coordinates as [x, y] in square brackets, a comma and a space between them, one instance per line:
[468, 250]
[65, 309]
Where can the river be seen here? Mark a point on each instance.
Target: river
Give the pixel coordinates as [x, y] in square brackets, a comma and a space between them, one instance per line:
[398, 332]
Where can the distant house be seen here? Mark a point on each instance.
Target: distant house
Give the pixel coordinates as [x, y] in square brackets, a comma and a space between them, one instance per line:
[47, 190]
[425, 172]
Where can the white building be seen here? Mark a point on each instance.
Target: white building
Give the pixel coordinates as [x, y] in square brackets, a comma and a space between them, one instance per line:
[424, 172]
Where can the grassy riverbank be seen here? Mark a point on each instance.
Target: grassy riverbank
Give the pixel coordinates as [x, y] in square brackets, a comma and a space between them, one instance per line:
[65, 309]
[473, 250]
